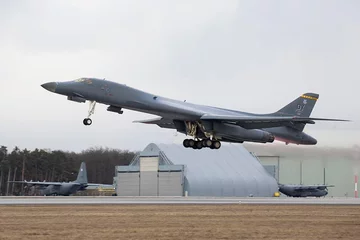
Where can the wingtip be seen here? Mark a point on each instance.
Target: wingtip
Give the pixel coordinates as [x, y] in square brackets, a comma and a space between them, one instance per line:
[343, 120]
[310, 95]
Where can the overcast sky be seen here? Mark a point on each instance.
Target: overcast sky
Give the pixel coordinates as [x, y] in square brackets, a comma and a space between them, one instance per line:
[255, 56]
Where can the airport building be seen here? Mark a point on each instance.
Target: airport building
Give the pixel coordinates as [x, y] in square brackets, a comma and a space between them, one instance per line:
[290, 164]
[172, 170]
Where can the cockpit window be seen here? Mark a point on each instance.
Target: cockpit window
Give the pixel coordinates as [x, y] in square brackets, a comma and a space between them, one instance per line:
[79, 80]
[84, 80]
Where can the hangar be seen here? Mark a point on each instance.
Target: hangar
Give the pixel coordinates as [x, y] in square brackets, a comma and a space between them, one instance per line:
[172, 170]
[308, 165]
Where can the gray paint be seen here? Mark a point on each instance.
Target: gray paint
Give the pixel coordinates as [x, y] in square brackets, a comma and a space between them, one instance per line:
[230, 171]
[225, 125]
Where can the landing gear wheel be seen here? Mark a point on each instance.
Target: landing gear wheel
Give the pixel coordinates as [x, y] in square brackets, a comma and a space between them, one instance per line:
[196, 143]
[207, 143]
[216, 144]
[186, 143]
[199, 144]
[191, 143]
[87, 121]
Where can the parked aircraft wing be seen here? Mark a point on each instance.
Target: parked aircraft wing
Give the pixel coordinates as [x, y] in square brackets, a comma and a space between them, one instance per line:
[99, 185]
[37, 183]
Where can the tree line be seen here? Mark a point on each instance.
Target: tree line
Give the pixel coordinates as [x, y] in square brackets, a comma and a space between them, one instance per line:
[57, 166]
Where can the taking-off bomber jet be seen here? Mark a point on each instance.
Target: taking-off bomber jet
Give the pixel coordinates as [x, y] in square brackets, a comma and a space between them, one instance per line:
[206, 125]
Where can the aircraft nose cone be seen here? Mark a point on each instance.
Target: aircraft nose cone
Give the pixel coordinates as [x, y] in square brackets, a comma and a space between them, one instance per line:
[50, 86]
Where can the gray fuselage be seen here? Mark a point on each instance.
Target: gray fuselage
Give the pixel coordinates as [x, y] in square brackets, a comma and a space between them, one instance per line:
[65, 189]
[308, 192]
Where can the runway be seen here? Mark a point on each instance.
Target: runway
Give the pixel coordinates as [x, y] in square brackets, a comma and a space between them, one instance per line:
[106, 200]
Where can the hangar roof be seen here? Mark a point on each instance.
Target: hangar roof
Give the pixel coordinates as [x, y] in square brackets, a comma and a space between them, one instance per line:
[228, 171]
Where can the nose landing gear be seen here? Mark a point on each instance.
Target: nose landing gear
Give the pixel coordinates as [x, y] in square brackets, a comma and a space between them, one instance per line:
[87, 121]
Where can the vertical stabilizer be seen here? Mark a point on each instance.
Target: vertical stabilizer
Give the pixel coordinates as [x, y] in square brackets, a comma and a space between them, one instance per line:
[302, 106]
[82, 175]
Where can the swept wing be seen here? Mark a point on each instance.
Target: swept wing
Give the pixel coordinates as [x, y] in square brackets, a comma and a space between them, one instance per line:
[265, 119]
[249, 122]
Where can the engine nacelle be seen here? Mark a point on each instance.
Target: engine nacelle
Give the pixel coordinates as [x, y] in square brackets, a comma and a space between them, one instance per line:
[237, 132]
[76, 99]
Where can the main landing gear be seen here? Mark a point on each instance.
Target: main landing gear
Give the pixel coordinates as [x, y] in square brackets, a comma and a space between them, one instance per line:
[199, 144]
[87, 121]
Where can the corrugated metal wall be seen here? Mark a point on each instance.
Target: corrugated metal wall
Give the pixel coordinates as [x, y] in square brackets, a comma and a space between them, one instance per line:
[149, 164]
[128, 184]
[149, 176]
[148, 183]
[170, 184]
[149, 179]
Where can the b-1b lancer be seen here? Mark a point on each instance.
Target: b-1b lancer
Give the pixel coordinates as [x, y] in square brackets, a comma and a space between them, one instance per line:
[206, 125]
[65, 188]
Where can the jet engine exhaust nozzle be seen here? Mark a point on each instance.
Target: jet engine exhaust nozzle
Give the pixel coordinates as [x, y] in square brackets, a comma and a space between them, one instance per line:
[271, 138]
